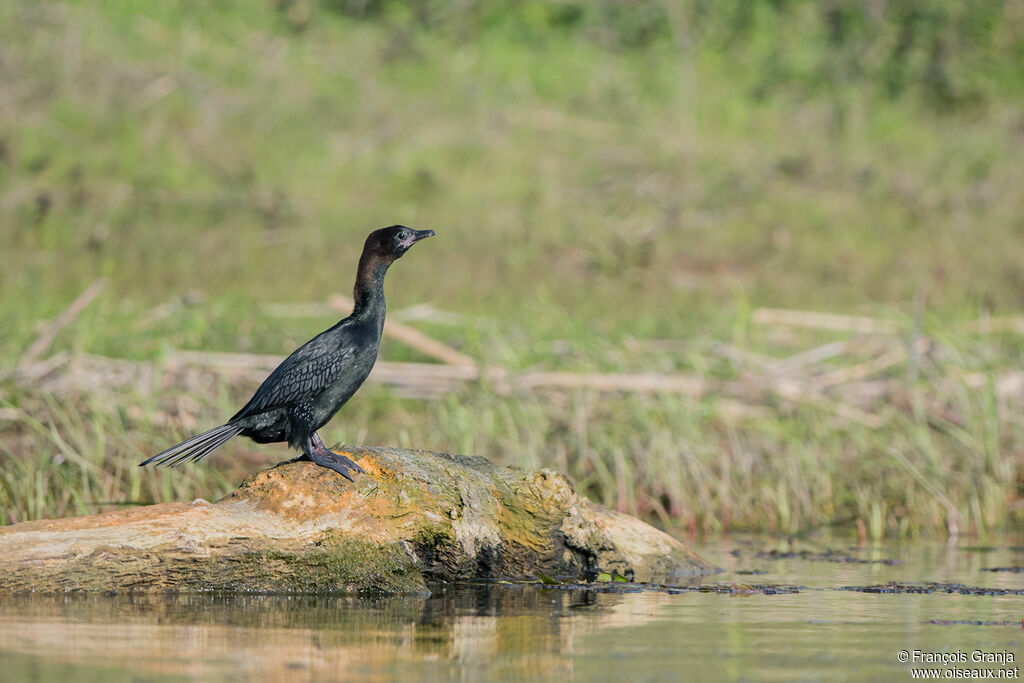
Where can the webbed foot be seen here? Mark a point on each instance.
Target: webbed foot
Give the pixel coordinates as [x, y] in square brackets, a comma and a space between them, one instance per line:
[334, 461]
[317, 452]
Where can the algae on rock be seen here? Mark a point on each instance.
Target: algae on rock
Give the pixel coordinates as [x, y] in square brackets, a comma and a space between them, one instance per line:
[414, 517]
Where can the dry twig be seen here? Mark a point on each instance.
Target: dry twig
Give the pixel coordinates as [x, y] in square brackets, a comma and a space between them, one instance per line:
[40, 345]
[412, 337]
[825, 321]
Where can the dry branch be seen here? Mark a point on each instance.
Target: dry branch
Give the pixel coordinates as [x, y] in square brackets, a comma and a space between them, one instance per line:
[856, 400]
[431, 379]
[311, 309]
[687, 385]
[813, 356]
[861, 370]
[987, 325]
[35, 371]
[315, 309]
[40, 345]
[853, 393]
[819, 354]
[825, 321]
[412, 338]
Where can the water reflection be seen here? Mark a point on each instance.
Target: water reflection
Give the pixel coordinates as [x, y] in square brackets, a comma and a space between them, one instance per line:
[516, 632]
[513, 631]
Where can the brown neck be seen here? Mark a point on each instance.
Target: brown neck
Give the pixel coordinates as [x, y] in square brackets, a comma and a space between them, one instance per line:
[368, 292]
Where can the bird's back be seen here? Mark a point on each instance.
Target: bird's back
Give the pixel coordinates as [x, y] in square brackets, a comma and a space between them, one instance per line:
[324, 372]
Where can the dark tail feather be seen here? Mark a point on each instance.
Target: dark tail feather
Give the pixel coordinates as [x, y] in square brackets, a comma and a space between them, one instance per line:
[196, 448]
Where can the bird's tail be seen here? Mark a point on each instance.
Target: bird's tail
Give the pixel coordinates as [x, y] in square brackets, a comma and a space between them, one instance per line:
[196, 448]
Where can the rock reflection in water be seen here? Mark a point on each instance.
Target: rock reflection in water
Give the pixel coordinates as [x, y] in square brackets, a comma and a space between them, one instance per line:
[506, 631]
[500, 632]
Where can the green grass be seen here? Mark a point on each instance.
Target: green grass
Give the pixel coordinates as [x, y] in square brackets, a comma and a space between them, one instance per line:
[595, 174]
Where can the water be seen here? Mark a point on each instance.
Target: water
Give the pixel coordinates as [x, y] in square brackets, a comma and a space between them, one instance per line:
[516, 632]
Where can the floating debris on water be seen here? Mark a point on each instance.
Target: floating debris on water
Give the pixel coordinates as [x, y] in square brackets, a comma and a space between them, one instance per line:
[898, 588]
[617, 585]
[740, 589]
[827, 556]
[1015, 570]
[969, 622]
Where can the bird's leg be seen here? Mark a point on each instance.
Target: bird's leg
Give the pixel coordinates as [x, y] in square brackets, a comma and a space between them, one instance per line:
[317, 442]
[316, 451]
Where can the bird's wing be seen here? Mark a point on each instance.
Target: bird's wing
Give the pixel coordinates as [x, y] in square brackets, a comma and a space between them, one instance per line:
[304, 374]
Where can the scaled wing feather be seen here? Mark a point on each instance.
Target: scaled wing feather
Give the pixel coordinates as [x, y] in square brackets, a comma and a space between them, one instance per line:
[305, 373]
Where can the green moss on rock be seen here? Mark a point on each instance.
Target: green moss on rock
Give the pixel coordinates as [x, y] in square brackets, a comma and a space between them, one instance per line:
[414, 517]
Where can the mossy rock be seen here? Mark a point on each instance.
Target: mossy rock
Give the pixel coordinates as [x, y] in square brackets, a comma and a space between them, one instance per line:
[413, 518]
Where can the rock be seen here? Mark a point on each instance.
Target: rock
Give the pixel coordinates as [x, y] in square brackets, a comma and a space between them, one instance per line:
[414, 517]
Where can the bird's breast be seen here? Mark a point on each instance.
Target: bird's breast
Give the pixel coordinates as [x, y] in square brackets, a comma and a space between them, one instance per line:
[356, 369]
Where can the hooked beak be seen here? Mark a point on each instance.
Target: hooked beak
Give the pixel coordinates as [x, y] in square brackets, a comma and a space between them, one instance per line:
[422, 235]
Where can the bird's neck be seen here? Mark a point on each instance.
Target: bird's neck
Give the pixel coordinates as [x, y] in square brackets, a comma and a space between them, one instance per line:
[368, 293]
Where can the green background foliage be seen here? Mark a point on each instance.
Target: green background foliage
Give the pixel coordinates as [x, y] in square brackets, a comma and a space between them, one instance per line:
[597, 172]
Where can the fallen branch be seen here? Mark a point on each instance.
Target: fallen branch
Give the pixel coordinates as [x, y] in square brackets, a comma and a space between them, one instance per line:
[412, 337]
[312, 309]
[861, 370]
[828, 351]
[40, 345]
[323, 309]
[419, 380]
[988, 325]
[431, 379]
[191, 371]
[422, 380]
[688, 385]
[804, 358]
[825, 321]
[33, 372]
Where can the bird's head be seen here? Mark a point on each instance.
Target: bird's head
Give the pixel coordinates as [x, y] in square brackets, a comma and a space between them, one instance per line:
[389, 244]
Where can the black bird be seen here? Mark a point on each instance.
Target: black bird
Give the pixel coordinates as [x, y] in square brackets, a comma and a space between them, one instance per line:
[309, 386]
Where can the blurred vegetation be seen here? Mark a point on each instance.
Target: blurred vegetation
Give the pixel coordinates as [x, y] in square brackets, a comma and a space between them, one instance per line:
[597, 172]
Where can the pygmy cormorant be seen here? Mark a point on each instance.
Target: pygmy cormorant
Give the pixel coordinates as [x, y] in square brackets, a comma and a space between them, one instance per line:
[309, 386]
